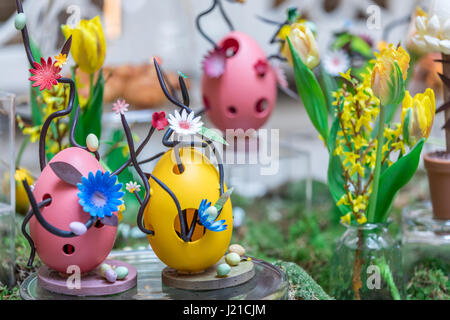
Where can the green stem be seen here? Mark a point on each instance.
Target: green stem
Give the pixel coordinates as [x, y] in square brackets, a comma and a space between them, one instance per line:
[91, 86]
[386, 273]
[377, 172]
[24, 144]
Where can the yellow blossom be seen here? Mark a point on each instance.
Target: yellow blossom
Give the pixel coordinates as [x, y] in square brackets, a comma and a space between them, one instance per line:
[357, 168]
[359, 204]
[347, 76]
[304, 43]
[61, 60]
[350, 157]
[347, 219]
[362, 219]
[88, 44]
[385, 84]
[418, 116]
[339, 150]
[33, 132]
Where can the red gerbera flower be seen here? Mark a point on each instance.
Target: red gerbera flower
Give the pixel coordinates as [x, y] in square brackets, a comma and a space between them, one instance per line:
[45, 75]
[159, 120]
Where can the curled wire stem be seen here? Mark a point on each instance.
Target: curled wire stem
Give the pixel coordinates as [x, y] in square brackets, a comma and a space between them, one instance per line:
[216, 3]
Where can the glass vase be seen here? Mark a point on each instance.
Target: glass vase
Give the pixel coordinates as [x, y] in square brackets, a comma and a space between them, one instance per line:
[367, 265]
[7, 189]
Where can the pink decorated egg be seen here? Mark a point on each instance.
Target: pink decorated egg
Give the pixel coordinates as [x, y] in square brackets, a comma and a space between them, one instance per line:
[244, 96]
[86, 251]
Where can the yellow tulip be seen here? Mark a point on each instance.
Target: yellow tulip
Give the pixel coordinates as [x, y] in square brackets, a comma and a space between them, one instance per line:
[22, 202]
[386, 84]
[304, 43]
[88, 44]
[418, 116]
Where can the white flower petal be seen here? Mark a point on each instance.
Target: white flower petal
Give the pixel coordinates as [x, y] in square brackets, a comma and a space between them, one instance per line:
[433, 43]
[446, 30]
[177, 115]
[433, 26]
[190, 116]
[445, 46]
[184, 115]
[419, 42]
[421, 25]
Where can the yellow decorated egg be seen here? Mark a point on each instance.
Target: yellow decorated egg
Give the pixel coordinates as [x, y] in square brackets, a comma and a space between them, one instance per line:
[199, 180]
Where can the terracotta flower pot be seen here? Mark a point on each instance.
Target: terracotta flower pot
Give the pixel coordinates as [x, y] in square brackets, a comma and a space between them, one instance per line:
[437, 165]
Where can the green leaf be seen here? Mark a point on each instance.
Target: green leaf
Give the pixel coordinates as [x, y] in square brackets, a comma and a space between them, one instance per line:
[361, 46]
[92, 116]
[341, 41]
[406, 125]
[212, 135]
[394, 178]
[329, 85]
[36, 115]
[223, 199]
[396, 86]
[79, 130]
[336, 180]
[311, 94]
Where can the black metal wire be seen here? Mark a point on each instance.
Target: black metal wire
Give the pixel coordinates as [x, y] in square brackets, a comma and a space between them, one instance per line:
[207, 12]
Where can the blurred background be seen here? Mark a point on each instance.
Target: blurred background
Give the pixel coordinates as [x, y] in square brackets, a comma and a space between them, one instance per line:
[138, 30]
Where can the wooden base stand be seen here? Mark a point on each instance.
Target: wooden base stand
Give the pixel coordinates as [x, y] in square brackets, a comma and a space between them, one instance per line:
[91, 283]
[208, 280]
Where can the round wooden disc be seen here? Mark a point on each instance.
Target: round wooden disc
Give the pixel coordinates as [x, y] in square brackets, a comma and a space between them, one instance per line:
[91, 284]
[208, 280]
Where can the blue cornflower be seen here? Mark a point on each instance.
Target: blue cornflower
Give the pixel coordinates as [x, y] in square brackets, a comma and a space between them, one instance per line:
[100, 195]
[207, 217]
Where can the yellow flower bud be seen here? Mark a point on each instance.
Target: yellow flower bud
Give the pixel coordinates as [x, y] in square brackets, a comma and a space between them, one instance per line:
[304, 43]
[88, 44]
[418, 116]
[387, 78]
[22, 203]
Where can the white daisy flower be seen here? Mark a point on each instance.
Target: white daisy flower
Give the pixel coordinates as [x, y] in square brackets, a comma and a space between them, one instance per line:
[185, 124]
[336, 62]
[132, 186]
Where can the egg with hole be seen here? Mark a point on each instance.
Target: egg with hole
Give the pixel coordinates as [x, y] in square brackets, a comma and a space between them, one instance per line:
[244, 96]
[199, 180]
[86, 251]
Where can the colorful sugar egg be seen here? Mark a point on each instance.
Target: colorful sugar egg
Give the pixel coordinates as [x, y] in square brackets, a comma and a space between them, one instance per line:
[244, 96]
[86, 251]
[200, 180]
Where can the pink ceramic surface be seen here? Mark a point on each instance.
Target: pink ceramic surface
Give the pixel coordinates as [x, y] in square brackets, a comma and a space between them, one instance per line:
[240, 98]
[90, 249]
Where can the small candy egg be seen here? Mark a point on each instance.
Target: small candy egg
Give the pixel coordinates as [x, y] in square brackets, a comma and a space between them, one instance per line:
[111, 275]
[20, 21]
[223, 269]
[233, 259]
[212, 212]
[121, 272]
[92, 142]
[237, 248]
[103, 268]
[78, 228]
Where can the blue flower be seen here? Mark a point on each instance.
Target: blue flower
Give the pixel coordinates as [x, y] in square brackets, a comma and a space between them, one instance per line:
[100, 195]
[207, 217]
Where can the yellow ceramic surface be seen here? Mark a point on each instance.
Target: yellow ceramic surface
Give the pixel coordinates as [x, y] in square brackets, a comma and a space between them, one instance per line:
[200, 180]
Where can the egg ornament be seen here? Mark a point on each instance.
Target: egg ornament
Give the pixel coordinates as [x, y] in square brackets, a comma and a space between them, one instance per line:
[199, 180]
[239, 85]
[86, 251]
[244, 95]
